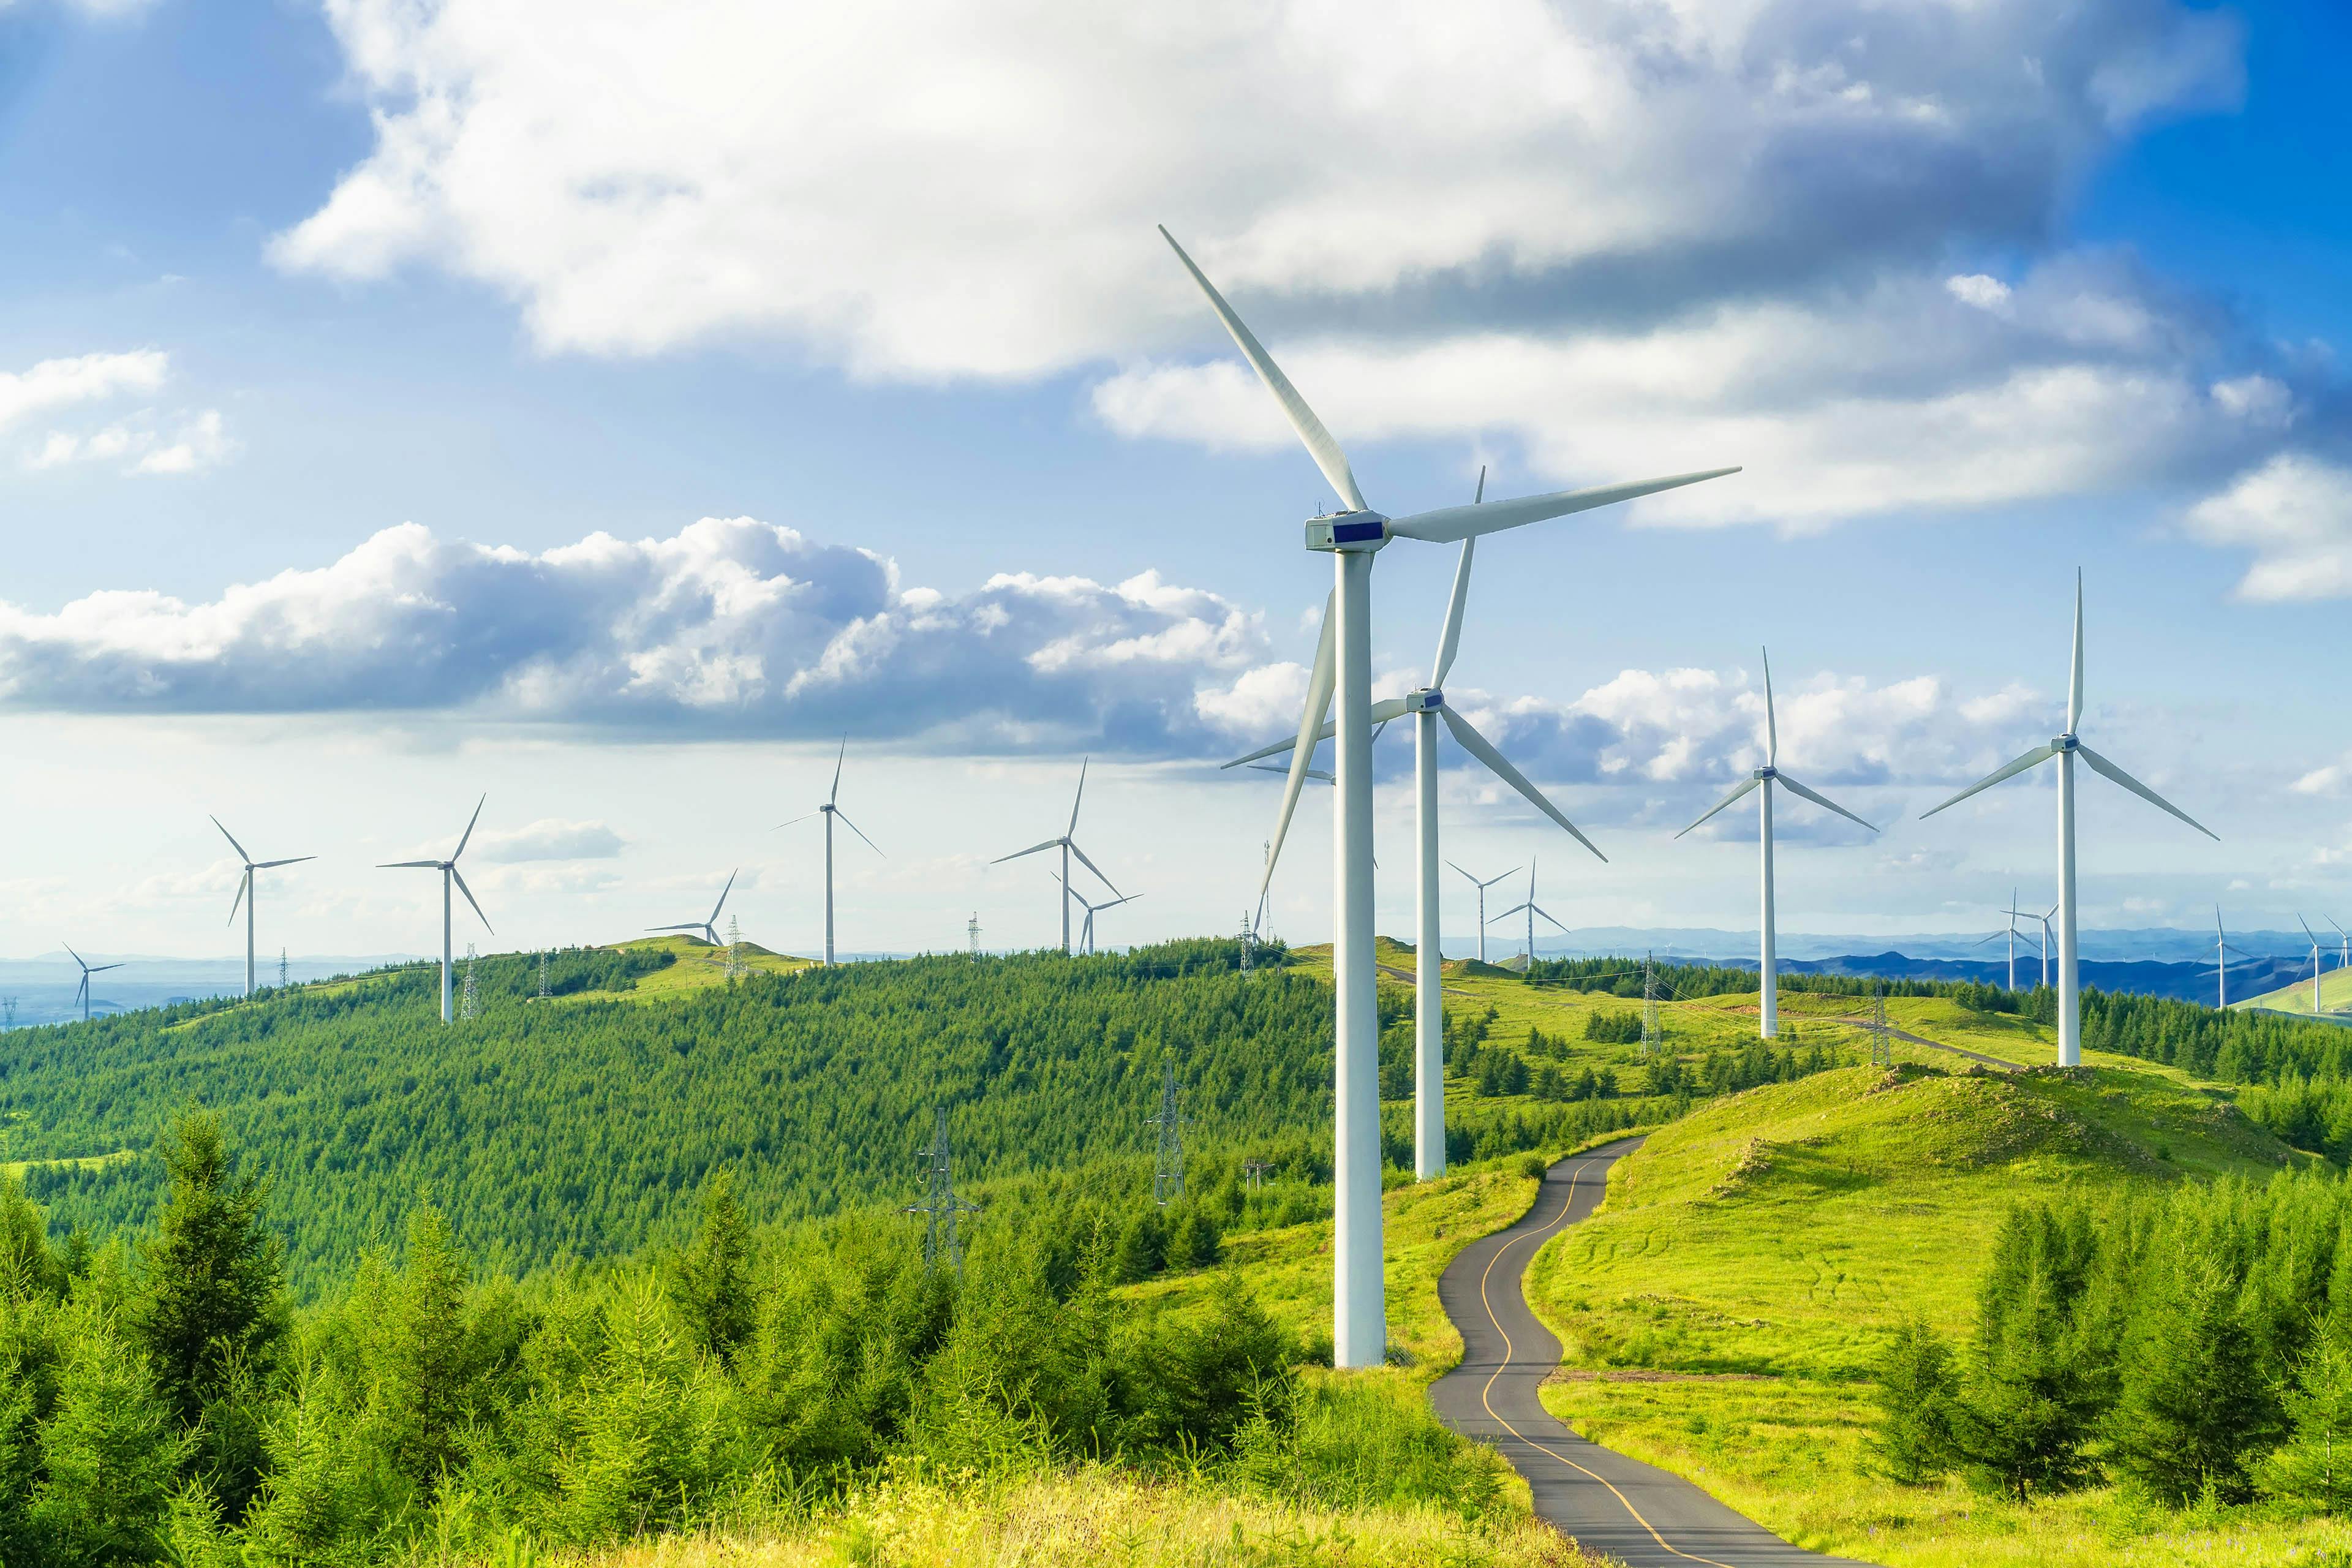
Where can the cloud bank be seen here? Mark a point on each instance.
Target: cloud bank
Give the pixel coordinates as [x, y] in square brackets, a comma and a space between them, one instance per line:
[2295, 514]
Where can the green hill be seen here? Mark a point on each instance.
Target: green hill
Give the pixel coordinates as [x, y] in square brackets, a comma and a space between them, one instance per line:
[2334, 995]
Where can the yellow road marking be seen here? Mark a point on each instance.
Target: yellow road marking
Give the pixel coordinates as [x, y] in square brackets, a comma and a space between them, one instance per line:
[1485, 1393]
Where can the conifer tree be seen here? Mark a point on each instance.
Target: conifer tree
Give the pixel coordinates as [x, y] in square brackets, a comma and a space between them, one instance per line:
[1916, 1385]
[2028, 1406]
[2314, 1466]
[209, 1294]
[2192, 1409]
[710, 1285]
[109, 1456]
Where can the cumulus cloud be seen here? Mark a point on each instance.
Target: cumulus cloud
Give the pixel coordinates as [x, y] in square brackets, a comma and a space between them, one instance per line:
[551, 840]
[86, 378]
[199, 442]
[2335, 778]
[2295, 514]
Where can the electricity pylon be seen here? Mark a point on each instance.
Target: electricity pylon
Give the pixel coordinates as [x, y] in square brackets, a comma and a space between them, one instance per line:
[470, 1004]
[1650, 1039]
[1168, 1176]
[943, 1211]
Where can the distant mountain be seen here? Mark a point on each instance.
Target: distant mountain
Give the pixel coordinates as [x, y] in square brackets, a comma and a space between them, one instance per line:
[2157, 944]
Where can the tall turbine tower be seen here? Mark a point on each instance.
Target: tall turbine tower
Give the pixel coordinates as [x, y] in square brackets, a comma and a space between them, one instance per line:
[449, 875]
[2314, 962]
[1761, 782]
[82, 995]
[2222, 949]
[1427, 707]
[1531, 909]
[1068, 846]
[830, 810]
[1481, 888]
[248, 895]
[710, 928]
[1343, 671]
[2066, 747]
[2343, 957]
[2014, 914]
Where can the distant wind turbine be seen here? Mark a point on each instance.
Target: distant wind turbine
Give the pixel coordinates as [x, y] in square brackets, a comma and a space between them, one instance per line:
[2315, 962]
[449, 875]
[1481, 888]
[2222, 949]
[1086, 934]
[88, 970]
[710, 928]
[830, 810]
[2014, 914]
[1068, 846]
[249, 894]
[1769, 1014]
[1427, 707]
[2344, 958]
[1531, 909]
[2066, 747]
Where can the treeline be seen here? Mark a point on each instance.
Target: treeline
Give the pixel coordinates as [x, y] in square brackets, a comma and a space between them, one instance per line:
[162, 1400]
[2298, 1072]
[2191, 1342]
[1682, 982]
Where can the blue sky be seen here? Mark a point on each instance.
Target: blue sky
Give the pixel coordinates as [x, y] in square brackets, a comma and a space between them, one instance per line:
[332, 341]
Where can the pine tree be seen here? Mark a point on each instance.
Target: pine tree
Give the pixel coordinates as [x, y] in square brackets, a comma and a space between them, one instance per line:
[423, 1371]
[2314, 1466]
[2028, 1405]
[110, 1455]
[1917, 1386]
[710, 1285]
[2192, 1408]
[209, 1295]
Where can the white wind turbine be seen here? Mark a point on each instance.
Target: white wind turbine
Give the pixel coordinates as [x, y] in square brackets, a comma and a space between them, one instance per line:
[710, 928]
[449, 875]
[1761, 780]
[2066, 747]
[2315, 962]
[1343, 669]
[248, 895]
[2049, 943]
[830, 810]
[2343, 957]
[1481, 888]
[1531, 909]
[2014, 914]
[1087, 933]
[1068, 846]
[1427, 707]
[2222, 949]
[82, 995]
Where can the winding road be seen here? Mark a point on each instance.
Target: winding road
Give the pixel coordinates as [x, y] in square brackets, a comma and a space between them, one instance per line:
[1609, 1504]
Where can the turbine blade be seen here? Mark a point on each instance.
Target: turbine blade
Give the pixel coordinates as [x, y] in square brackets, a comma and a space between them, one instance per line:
[77, 957]
[242, 884]
[1449, 639]
[1448, 524]
[296, 860]
[2039, 754]
[804, 816]
[469, 833]
[1823, 801]
[233, 842]
[721, 904]
[1492, 881]
[1473, 880]
[469, 899]
[1317, 774]
[1994, 937]
[2116, 774]
[2308, 931]
[1079, 799]
[404, 865]
[691, 925]
[1480, 493]
[1320, 445]
[102, 968]
[1771, 724]
[1311, 717]
[1049, 844]
[1555, 925]
[2075, 681]
[854, 828]
[1287, 744]
[1475, 744]
[837, 759]
[1733, 798]
[1506, 914]
[1092, 867]
[1386, 709]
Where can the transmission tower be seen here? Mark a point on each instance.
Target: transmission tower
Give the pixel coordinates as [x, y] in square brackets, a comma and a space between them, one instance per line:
[943, 1211]
[1249, 940]
[1168, 1176]
[283, 969]
[544, 991]
[736, 967]
[469, 1005]
[1255, 1172]
[971, 931]
[8, 1012]
[1651, 1038]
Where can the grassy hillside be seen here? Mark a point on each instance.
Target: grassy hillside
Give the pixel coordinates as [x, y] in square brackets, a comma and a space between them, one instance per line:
[2335, 993]
[1723, 1311]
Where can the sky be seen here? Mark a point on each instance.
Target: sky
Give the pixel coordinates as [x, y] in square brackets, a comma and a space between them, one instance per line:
[610, 410]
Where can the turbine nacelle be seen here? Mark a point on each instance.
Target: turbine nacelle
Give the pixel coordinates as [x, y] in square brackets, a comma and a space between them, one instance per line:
[1360, 532]
[1427, 700]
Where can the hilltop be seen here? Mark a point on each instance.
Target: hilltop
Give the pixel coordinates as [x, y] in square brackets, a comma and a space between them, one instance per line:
[2294, 996]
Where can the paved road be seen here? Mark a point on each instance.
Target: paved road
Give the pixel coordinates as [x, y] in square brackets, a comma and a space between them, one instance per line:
[1610, 1504]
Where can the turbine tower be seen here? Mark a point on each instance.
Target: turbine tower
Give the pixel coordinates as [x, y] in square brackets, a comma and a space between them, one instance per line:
[1767, 1022]
[2066, 747]
[449, 875]
[2014, 914]
[248, 895]
[82, 995]
[1481, 888]
[1343, 670]
[2314, 962]
[2222, 949]
[830, 810]
[1427, 707]
[1531, 909]
[1087, 933]
[710, 928]
[1069, 846]
[2343, 958]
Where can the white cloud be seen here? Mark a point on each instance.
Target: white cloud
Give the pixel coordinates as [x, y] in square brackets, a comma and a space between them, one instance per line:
[2295, 512]
[551, 840]
[2334, 779]
[86, 378]
[1976, 289]
[201, 442]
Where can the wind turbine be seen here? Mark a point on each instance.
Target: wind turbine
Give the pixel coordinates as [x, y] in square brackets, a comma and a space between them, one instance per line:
[449, 875]
[248, 895]
[1481, 888]
[1086, 934]
[1427, 706]
[2344, 958]
[2049, 943]
[710, 928]
[1067, 845]
[88, 970]
[2014, 914]
[1761, 780]
[2314, 962]
[1531, 909]
[1343, 670]
[2222, 949]
[829, 810]
[2066, 747]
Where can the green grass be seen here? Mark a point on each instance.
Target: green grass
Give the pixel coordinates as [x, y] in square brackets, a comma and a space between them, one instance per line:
[2335, 993]
[1751, 1257]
